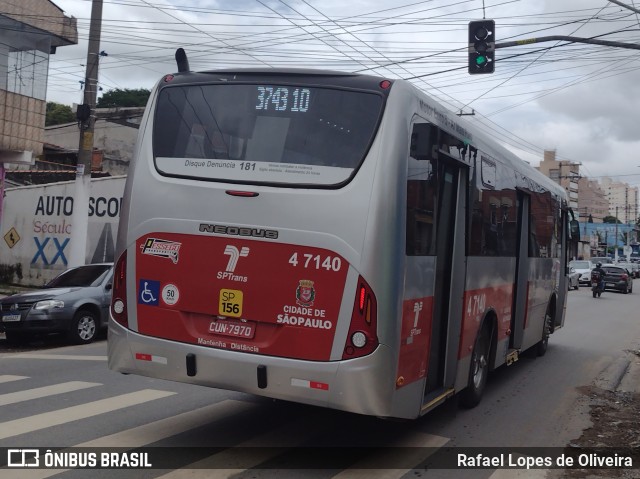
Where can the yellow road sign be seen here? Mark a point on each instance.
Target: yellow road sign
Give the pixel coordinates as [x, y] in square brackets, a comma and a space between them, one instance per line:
[12, 237]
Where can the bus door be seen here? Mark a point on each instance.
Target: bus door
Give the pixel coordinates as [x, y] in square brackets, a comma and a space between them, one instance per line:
[521, 284]
[435, 262]
[449, 275]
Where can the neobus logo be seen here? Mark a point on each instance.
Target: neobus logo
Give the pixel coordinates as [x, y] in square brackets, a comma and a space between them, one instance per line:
[236, 231]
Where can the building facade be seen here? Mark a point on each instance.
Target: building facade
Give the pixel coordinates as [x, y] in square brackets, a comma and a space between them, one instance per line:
[593, 204]
[565, 173]
[30, 31]
[623, 200]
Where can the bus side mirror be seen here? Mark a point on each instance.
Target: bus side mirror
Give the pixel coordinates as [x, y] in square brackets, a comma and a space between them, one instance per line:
[574, 227]
[422, 139]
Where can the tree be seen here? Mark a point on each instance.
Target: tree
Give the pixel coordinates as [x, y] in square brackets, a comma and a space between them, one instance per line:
[611, 219]
[57, 113]
[124, 97]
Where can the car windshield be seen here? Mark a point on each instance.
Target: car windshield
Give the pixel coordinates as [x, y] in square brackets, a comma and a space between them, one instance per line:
[580, 264]
[90, 275]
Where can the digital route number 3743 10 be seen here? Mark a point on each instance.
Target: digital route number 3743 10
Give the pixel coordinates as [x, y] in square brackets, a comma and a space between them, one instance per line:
[230, 303]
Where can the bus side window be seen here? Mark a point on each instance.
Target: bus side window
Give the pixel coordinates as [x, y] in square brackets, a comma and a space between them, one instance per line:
[423, 138]
[421, 202]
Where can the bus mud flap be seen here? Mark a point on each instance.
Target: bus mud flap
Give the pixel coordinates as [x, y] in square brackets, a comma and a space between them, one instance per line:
[262, 376]
[191, 365]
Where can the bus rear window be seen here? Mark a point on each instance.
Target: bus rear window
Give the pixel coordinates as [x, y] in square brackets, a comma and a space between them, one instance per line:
[260, 133]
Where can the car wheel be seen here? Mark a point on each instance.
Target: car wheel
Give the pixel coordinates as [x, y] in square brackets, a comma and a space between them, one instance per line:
[83, 327]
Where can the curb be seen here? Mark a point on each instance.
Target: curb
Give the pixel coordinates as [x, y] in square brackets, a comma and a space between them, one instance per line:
[630, 381]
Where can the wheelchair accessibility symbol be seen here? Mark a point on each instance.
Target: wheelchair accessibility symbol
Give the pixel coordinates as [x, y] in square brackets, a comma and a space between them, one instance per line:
[148, 292]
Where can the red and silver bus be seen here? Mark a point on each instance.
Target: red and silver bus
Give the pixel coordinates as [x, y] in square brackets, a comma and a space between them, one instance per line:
[333, 239]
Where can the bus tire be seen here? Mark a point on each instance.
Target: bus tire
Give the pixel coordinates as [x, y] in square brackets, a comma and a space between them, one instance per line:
[543, 344]
[478, 370]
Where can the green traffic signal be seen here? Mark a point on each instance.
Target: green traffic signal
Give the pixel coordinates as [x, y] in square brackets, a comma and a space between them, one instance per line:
[481, 52]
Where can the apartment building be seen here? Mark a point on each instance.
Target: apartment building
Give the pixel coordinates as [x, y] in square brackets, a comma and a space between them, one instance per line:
[623, 200]
[565, 173]
[593, 204]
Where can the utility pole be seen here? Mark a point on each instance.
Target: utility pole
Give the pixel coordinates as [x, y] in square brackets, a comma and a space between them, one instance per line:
[86, 119]
[615, 252]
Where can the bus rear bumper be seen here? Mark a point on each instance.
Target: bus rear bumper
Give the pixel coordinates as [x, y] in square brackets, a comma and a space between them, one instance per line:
[363, 385]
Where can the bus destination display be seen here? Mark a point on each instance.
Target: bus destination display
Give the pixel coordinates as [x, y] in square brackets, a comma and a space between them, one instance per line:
[283, 99]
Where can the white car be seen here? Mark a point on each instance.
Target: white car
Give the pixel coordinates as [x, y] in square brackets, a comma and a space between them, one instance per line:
[583, 268]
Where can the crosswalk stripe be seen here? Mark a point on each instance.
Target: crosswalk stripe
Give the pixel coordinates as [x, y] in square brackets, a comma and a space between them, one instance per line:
[416, 444]
[7, 378]
[45, 391]
[50, 357]
[519, 474]
[149, 433]
[82, 411]
[221, 465]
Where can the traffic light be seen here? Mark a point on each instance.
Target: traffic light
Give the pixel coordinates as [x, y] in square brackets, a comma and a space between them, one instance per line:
[482, 46]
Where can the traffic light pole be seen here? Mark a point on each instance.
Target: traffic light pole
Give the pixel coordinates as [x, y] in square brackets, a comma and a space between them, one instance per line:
[564, 38]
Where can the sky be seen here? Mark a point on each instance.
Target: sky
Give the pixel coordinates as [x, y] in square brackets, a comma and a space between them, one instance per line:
[581, 100]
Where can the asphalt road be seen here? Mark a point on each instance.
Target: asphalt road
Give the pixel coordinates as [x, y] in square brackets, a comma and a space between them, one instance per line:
[53, 395]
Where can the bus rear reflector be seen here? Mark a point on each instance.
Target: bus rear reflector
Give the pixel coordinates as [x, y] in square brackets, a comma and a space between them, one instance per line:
[362, 338]
[119, 293]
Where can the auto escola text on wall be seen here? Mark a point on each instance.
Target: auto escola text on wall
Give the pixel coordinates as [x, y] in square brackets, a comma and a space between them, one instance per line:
[52, 215]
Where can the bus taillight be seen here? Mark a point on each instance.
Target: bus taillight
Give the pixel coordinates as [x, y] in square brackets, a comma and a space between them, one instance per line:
[362, 338]
[119, 293]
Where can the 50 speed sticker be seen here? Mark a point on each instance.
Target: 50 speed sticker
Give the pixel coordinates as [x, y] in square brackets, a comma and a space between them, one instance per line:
[230, 303]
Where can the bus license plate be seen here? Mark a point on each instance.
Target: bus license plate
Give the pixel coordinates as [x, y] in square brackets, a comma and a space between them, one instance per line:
[11, 317]
[236, 329]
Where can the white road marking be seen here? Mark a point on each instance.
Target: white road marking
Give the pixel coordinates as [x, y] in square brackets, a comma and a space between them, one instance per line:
[519, 474]
[75, 413]
[45, 391]
[7, 378]
[148, 433]
[416, 445]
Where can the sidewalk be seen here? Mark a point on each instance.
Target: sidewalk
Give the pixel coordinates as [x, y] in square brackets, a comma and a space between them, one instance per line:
[630, 381]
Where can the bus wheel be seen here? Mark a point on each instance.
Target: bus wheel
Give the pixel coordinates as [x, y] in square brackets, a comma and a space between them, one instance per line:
[478, 372]
[543, 344]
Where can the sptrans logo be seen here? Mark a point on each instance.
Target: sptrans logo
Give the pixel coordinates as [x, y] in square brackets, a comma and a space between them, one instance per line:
[234, 255]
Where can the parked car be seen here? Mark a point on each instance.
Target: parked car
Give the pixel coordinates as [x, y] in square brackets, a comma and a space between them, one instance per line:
[583, 268]
[573, 278]
[76, 303]
[617, 278]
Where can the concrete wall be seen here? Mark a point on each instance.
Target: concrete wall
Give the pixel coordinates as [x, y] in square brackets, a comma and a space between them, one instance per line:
[115, 140]
[36, 225]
